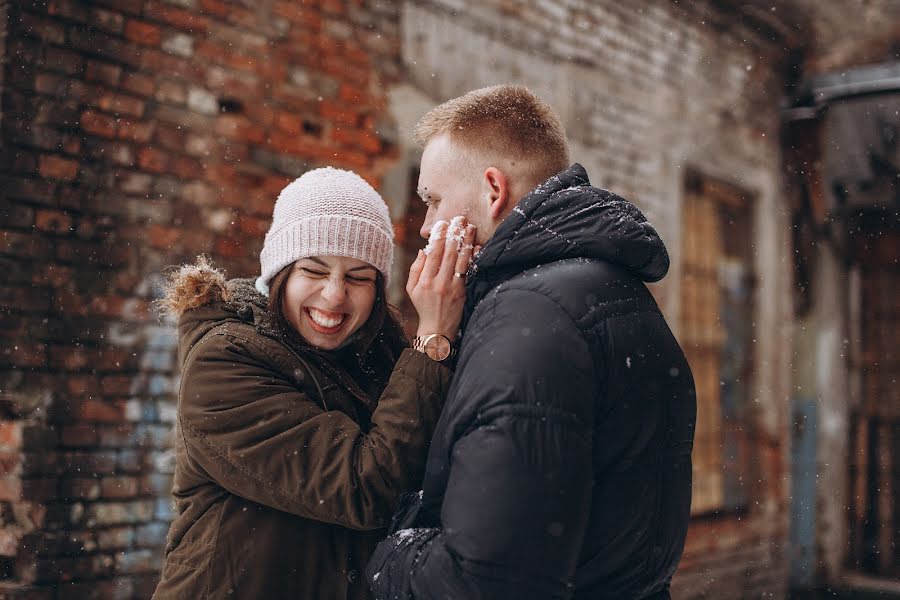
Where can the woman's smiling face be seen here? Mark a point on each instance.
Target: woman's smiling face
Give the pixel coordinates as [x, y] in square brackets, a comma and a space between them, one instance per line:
[328, 298]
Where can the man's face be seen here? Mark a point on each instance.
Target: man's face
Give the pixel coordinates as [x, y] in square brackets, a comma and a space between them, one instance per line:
[449, 185]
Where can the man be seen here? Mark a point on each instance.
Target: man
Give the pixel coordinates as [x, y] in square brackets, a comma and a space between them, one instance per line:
[560, 466]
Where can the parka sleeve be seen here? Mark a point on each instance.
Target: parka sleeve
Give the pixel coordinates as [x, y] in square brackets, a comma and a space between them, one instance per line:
[260, 437]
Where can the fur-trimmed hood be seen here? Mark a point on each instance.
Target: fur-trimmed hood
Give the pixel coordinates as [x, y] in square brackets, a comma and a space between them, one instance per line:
[200, 297]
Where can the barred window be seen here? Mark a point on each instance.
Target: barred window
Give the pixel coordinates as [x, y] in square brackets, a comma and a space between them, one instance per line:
[717, 336]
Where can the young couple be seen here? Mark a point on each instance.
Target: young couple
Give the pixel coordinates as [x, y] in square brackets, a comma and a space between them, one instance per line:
[544, 409]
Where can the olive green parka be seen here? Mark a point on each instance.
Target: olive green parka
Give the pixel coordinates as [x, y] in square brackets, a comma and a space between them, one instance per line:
[284, 476]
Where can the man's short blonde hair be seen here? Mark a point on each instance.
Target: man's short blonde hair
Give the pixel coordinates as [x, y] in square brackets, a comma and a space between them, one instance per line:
[503, 123]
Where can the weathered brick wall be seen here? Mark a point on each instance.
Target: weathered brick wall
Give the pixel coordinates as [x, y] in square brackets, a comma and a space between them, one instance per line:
[648, 90]
[135, 135]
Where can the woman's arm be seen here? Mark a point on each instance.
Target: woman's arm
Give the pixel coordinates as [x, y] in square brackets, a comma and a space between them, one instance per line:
[261, 438]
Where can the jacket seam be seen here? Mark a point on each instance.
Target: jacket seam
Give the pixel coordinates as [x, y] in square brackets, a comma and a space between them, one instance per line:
[533, 413]
[564, 310]
[215, 547]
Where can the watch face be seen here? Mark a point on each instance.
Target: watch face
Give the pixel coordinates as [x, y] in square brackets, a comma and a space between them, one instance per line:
[437, 347]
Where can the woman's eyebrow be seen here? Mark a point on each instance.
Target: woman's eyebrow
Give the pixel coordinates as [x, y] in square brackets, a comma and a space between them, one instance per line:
[317, 261]
[327, 266]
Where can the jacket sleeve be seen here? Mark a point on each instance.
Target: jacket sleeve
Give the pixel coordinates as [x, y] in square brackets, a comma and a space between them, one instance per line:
[260, 437]
[518, 493]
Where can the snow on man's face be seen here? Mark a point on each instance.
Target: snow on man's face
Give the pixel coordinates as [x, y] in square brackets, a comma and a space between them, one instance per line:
[449, 184]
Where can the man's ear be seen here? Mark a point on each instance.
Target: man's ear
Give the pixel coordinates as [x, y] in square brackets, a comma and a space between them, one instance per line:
[497, 188]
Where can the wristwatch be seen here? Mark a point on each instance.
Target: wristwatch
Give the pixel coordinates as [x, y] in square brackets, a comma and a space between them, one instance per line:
[435, 346]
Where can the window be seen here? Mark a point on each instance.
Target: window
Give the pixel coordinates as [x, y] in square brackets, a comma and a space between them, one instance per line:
[717, 336]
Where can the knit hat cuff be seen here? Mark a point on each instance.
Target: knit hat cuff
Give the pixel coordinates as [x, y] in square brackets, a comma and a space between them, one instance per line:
[326, 235]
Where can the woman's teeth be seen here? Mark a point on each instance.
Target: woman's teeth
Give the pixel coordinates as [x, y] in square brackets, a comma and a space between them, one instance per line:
[322, 319]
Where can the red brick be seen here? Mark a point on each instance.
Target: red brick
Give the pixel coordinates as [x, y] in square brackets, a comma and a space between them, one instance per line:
[98, 124]
[10, 542]
[177, 17]
[54, 221]
[254, 226]
[105, 73]
[239, 127]
[69, 357]
[10, 434]
[136, 83]
[170, 137]
[25, 354]
[116, 385]
[216, 7]
[227, 56]
[163, 237]
[118, 488]
[10, 462]
[351, 94]
[304, 15]
[121, 104]
[68, 9]
[80, 435]
[353, 160]
[16, 489]
[25, 245]
[289, 122]
[136, 131]
[355, 138]
[231, 248]
[56, 167]
[107, 306]
[153, 160]
[171, 92]
[142, 33]
[160, 62]
[11, 488]
[335, 7]
[340, 114]
[101, 411]
[25, 299]
[45, 30]
[109, 21]
[53, 275]
[189, 167]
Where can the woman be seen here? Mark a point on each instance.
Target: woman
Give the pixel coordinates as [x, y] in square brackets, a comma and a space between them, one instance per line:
[302, 416]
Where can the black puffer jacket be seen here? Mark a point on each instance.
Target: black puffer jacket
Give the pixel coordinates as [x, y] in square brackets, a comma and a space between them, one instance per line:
[560, 465]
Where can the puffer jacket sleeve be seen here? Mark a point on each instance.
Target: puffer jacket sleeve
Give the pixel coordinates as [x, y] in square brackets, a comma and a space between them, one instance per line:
[518, 494]
[260, 437]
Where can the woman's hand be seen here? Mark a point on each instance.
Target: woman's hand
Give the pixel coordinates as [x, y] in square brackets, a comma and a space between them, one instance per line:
[437, 280]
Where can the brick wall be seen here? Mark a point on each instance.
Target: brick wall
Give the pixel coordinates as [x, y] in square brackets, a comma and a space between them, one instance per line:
[649, 91]
[135, 135]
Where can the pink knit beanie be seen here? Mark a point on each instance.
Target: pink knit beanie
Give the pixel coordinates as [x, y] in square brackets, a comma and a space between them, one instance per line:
[327, 212]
